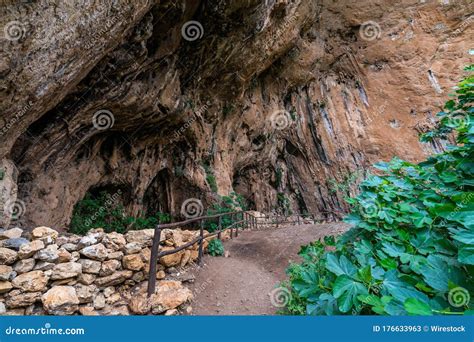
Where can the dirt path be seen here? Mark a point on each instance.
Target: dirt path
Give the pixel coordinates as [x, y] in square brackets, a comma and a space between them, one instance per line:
[241, 283]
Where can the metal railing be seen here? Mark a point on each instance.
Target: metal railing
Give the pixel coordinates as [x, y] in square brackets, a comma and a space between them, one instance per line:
[239, 219]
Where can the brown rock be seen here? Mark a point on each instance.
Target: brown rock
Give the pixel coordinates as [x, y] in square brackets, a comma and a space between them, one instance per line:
[115, 311]
[63, 255]
[143, 237]
[7, 256]
[5, 272]
[44, 234]
[48, 254]
[5, 286]
[44, 266]
[29, 249]
[140, 305]
[86, 278]
[185, 258]
[115, 299]
[23, 266]
[114, 241]
[66, 270]
[169, 295]
[99, 301]
[90, 266]
[114, 279]
[172, 312]
[109, 267]
[31, 282]
[70, 247]
[85, 293]
[15, 312]
[115, 256]
[160, 274]
[172, 259]
[95, 252]
[17, 298]
[132, 248]
[13, 233]
[61, 300]
[133, 262]
[88, 311]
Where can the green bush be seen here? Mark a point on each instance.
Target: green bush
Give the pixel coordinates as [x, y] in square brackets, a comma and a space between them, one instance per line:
[227, 204]
[215, 248]
[105, 211]
[411, 248]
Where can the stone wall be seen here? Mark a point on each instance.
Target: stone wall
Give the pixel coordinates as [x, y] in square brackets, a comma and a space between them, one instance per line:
[44, 272]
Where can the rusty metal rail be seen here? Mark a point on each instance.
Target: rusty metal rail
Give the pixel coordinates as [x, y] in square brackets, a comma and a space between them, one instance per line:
[248, 220]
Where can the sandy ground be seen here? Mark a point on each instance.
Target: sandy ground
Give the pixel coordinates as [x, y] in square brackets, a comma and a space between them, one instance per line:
[241, 284]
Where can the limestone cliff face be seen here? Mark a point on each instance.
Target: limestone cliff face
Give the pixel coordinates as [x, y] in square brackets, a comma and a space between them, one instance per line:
[271, 97]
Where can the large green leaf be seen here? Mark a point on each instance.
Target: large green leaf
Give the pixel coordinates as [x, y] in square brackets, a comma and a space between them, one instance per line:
[340, 266]
[415, 307]
[346, 291]
[400, 289]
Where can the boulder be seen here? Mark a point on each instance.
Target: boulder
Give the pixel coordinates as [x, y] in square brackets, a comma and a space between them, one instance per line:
[31, 281]
[143, 237]
[90, 266]
[115, 256]
[88, 311]
[44, 266]
[48, 254]
[13, 233]
[169, 295]
[63, 255]
[114, 241]
[121, 310]
[140, 305]
[23, 266]
[95, 252]
[16, 298]
[109, 267]
[114, 279]
[5, 286]
[7, 256]
[66, 270]
[88, 240]
[133, 262]
[99, 301]
[45, 234]
[70, 247]
[85, 293]
[29, 249]
[86, 278]
[3, 309]
[171, 259]
[5, 272]
[108, 291]
[14, 243]
[185, 258]
[132, 248]
[61, 300]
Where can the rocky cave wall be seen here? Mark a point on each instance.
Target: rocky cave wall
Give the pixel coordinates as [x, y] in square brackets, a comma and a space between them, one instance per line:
[274, 97]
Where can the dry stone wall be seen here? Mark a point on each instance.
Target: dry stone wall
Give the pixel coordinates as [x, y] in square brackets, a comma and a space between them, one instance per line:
[44, 272]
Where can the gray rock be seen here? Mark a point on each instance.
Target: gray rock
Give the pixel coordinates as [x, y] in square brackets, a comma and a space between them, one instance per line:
[14, 243]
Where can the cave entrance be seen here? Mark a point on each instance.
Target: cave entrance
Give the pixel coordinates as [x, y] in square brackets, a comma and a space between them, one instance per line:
[157, 198]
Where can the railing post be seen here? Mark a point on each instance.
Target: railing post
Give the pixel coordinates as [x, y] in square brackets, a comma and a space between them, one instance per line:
[201, 242]
[219, 227]
[153, 261]
[236, 229]
[298, 219]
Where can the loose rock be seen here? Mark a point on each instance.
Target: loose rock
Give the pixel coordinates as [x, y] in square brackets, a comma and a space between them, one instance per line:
[61, 300]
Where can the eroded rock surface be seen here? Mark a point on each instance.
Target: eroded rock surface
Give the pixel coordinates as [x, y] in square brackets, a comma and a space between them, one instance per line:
[270, 97]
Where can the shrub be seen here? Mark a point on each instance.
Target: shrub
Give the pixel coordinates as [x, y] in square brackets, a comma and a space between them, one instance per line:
[106, 212]
[227, 204]
[411, 248]
[215, 247]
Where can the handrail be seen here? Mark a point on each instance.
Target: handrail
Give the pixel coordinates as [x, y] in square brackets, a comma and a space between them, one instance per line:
[248, 220]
